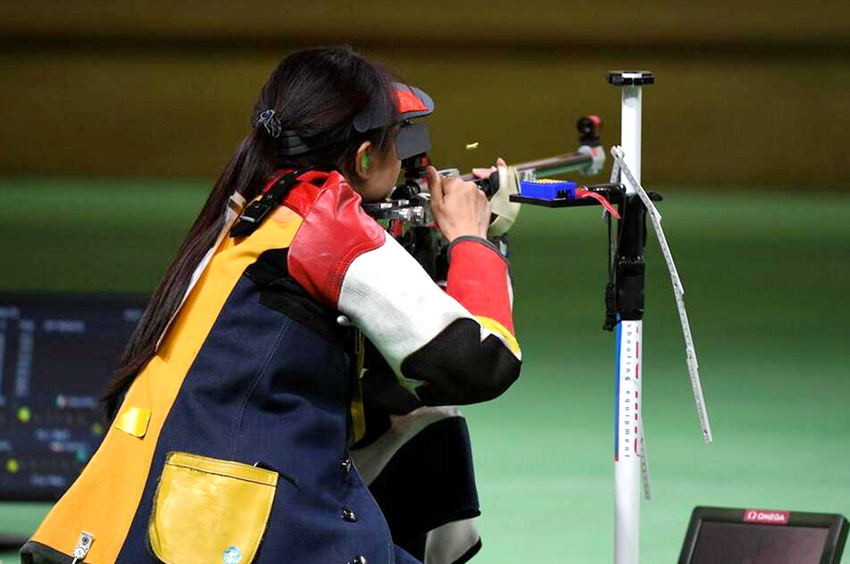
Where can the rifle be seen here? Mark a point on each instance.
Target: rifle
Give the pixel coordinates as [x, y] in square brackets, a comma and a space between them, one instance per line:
[407, 214]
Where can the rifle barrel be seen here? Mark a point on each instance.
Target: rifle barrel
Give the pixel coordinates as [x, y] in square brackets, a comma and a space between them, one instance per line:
[552, 165]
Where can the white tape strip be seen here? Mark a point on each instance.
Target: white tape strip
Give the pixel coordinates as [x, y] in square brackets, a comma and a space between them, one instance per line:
[644, 462]
[678, 290]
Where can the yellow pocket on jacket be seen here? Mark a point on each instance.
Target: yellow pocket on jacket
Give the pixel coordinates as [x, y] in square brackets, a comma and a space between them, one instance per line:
[209, 510]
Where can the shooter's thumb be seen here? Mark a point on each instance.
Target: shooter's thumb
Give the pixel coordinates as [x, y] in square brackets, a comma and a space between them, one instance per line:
[435, 184]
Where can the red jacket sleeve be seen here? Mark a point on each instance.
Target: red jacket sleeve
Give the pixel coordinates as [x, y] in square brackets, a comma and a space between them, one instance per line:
[478, 278]
[446, 348]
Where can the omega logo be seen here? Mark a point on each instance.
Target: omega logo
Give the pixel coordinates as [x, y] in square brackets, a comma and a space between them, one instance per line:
[767, 517]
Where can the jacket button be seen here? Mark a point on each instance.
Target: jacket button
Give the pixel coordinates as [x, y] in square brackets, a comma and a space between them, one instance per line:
[359, 560]
[346, 464]
[349, 515]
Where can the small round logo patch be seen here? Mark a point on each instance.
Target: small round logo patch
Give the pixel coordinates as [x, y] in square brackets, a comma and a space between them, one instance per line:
[232, 556]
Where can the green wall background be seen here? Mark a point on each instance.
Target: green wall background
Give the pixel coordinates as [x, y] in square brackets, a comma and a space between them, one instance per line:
[766, 281]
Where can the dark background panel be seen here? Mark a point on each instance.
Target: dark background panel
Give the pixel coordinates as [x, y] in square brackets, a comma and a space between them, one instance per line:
[748, 93]
[532, 22]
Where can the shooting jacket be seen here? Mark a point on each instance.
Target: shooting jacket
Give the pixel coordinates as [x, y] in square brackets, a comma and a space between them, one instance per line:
[232, 444]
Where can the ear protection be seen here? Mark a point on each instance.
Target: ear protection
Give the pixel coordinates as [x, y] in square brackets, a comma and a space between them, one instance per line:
[364, 162]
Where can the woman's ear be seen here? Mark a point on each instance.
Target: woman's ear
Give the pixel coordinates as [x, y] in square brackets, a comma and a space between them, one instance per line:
[362, 160]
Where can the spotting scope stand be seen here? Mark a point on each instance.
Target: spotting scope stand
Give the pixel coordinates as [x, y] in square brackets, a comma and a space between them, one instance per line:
[624, 299]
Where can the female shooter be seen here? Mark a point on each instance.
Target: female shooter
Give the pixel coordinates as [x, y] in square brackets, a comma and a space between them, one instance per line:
[238, 396]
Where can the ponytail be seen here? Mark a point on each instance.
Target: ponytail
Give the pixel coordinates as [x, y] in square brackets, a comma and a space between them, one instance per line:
[244, 169]
[316, 93]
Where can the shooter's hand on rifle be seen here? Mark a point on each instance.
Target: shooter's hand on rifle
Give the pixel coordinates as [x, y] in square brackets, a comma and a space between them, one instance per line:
[459, 207]
[485, 172]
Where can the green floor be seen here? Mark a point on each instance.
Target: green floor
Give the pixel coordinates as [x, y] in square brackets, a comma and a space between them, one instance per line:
[766, 275]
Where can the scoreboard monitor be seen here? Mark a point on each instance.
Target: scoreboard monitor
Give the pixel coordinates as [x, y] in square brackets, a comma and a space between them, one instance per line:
[57, 352]
[757, 536]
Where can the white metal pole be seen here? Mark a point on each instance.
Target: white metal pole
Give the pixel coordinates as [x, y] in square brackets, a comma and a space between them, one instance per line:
[630, 125]
[627, 462]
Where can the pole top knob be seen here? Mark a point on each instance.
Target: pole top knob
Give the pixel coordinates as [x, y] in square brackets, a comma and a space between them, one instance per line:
[628, 78]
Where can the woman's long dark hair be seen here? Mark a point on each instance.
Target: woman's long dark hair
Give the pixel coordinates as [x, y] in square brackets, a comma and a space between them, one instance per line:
[316, 93]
